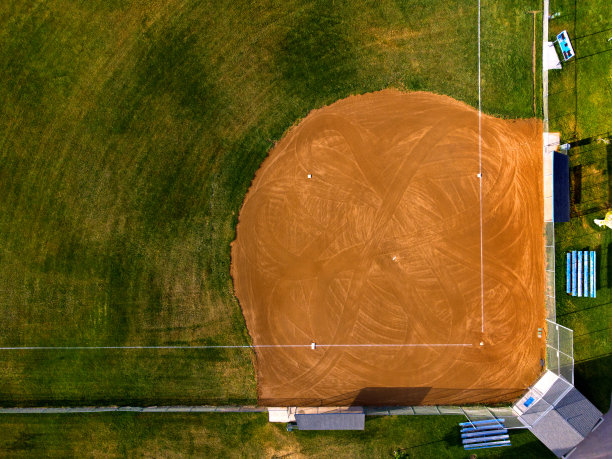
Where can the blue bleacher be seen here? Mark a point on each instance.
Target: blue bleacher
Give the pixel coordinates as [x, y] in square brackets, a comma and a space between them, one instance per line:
[580, 274]
[482, 434]
[568, 273]
[467, 441]
[482, 428]
[490, 433]
[496, 421]
[494, 444]
[593, 274]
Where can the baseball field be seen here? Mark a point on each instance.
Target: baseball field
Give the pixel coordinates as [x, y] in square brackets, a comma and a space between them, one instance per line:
[402, 235]
[130, 133]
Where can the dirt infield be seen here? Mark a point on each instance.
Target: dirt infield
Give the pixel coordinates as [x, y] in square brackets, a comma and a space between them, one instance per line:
[381, 246]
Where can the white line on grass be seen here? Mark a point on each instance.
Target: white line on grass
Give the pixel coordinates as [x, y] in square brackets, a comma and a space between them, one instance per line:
[480, 181]
[392, 345]
[256, 346]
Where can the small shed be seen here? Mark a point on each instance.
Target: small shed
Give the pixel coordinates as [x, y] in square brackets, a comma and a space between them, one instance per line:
[338, 418]
[319, 418]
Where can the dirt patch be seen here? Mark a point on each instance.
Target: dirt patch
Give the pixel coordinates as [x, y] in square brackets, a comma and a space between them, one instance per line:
[382, 246]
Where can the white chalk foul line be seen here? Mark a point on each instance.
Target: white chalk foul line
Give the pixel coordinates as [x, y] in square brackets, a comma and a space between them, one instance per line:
[480, 182]
[393, 345]
[256, 346]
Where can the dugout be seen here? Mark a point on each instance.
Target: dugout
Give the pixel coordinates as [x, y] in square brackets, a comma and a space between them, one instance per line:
[557, 414]
[561, 186]
[320, 418]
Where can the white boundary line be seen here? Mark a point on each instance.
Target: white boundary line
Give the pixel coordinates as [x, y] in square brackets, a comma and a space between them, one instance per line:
[480, 182]
[545, 14]
[256, 346]
[393, 345]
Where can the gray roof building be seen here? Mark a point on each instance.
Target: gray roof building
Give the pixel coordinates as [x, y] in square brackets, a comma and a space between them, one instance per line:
[339, 418]
[557, 413]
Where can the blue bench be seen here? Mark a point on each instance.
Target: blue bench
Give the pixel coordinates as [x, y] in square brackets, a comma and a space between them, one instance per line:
[581, 273]
[495, 444]
[489, 433]
[485, 433]
[496, 421]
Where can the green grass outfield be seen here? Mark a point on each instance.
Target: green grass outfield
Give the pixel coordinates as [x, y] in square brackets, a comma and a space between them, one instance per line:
[129, 134]
[239, 435]
[580, 94]
[580, 109]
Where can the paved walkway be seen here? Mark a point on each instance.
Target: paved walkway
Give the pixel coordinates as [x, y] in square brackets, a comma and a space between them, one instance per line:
[471, 412]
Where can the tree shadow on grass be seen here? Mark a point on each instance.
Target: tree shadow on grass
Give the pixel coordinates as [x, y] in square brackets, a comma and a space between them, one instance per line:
[450, 439]
[593, 377]
[526, 449]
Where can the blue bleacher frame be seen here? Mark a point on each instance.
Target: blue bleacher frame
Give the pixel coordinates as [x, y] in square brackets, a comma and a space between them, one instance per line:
[574, 258]
[568, 273]
[581, 273]
[593, 274]
[585, 273]
[487, 445]
[489, 433]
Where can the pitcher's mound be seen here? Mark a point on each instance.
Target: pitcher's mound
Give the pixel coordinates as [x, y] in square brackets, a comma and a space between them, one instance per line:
[362, 233]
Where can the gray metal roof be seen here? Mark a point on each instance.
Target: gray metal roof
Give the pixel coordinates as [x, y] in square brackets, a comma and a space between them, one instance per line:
[535, 411]
[562, 425]
[348, 420]
[556, 433]
[556, 390]
[578, 412]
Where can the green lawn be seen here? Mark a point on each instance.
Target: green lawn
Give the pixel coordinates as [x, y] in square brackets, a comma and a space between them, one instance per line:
[580, 109]
[239, 435]
[506, 58]
[580, 94]
[129, 134]
[590, 318]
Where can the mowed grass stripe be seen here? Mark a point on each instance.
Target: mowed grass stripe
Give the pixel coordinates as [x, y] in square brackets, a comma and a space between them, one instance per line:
[129, 134]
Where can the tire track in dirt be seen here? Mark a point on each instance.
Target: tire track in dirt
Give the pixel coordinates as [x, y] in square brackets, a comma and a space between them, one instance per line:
[382, 246]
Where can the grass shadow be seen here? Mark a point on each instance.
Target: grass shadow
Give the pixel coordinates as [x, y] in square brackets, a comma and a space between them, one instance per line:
[593, 377]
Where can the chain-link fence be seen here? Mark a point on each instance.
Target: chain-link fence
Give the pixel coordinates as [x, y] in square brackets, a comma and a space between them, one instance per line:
[550, 144]
[472, 413]
[560, 350]
[559, 339]
[549, 242]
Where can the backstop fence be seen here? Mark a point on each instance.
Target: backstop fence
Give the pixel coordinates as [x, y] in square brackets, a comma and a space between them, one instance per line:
[559, 339]
[560, 350]
[472, 413]
[549, 246]
[549, 226]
